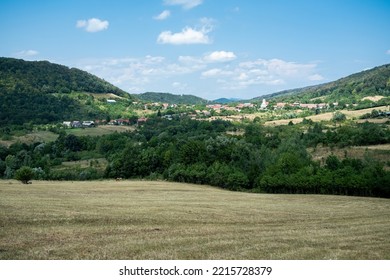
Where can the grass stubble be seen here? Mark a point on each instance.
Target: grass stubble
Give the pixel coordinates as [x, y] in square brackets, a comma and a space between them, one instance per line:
[162, 220]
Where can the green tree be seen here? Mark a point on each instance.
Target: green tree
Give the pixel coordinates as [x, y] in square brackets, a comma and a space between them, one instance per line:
[24, 174]
[338, 117]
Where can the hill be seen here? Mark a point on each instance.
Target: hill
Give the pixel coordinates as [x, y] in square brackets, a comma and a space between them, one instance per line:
[20, 76]
[41, 92]
[226, 100]
[353, 88]
[170, 98]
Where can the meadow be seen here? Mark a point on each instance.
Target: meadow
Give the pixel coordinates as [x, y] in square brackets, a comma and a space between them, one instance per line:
[162, 220]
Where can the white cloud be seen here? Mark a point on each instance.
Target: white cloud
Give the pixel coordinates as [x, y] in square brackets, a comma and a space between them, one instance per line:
[272, 73]
[280, 67]
[388, 52]
[190, 60]
[186, 4]
[220, 56]
[212, 72]
[216, 72]
[164, 15]
[179, 86]
[199, 74]
[187, 36]
[26, 53]
[92, 24]
[316, 77]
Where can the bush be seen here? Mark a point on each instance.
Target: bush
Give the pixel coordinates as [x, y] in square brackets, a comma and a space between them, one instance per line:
[338, 117]
[24, 174]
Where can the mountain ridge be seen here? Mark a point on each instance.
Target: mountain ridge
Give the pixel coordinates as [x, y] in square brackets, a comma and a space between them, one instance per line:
[165, 97]
[21, 76]
[374, 81]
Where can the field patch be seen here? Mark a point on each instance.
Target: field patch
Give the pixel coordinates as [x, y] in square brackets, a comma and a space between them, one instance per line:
[33, 137]
[350, 114]
[161, 220]
[99, 130]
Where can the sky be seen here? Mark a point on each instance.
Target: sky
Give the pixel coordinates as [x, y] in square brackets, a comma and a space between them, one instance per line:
[208, 48]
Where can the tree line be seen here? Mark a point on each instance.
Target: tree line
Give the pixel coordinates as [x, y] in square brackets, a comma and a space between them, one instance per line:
[248, 157]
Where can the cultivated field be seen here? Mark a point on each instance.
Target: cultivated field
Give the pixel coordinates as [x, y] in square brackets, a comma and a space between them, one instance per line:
[160, 220]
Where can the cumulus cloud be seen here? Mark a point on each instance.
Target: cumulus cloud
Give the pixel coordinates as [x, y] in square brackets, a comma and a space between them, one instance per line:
[272, 72]
[92, 24]
[216, 72]
[316, 77]
[164, 15]
[26, 53]
[186, 4]
[187, 36]
[220, 56]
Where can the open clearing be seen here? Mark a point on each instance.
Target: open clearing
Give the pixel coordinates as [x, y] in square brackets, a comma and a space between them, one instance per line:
[99, 130]
[161, 220]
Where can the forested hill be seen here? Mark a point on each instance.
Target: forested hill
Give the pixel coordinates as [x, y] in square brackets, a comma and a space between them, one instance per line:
[375, 81]
[170, 98]
[20, 76]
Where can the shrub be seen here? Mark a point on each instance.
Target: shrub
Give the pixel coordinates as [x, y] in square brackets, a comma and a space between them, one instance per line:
[24, 174]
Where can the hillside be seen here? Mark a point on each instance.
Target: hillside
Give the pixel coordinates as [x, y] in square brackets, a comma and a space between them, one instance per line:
[170, 98]
[20, 76]
[375, 81]
[226, 100]
[41, 92]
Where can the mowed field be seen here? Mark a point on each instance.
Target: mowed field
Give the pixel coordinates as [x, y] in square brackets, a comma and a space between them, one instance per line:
[161, 220]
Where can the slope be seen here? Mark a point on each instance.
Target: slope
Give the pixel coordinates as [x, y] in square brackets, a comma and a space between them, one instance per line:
[20, 76]
[170, 98]
[353, 88]
[41, 92]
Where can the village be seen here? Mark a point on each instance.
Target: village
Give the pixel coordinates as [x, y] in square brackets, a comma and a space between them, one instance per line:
[199, 112]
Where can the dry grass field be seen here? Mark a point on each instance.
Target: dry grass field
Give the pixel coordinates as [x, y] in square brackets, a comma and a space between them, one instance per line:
[328, 116]
[379, 153]
[160, 220]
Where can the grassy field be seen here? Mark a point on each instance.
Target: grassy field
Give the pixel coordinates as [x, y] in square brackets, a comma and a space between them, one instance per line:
[98, 131]
[379, 153]
[39, 136]
[350, 114]
[160, 220]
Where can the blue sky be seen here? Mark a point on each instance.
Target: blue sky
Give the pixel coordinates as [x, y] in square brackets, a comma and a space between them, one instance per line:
[209, 48]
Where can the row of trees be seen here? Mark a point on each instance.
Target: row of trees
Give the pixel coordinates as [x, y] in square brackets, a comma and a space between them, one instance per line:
[262, 159]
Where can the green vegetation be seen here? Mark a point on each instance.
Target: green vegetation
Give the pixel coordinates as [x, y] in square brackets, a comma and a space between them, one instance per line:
[41, 92]
[348, 90]
[173, 144]
[24, 174]
[170, 98]
[262, 159]
[162, 220]
[32, 77]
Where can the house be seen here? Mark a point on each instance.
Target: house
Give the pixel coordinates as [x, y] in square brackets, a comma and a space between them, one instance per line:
[111, 101]
[280, 105]
[88, 124]
[309, 106]
[67, 124]
[76, 124]
[122, 122]
[206, 113]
